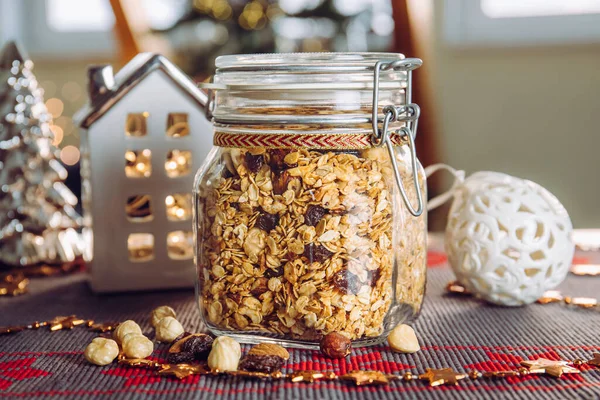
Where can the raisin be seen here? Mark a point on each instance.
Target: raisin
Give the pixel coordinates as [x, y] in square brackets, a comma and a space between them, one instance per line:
[180, 358]
[346, 282]
[314, 214]
[276, 161]
[188, 347]
[235, 205]
[374, 277]
[197, 345]
[316, 253]
[261, 363]
[267, 222]
[273, 272]
[260, 287]
[280, 181]
[254, 163]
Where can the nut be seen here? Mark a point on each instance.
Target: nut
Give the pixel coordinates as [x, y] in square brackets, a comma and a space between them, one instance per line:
[280, 181]
[124, 328]
[190, 348]
[403, 339]
[336, 345]
[269, 349]
[101, 351]
[225, 354]
[137, 346]
[265, 357]
[161, 312]
[168, 329]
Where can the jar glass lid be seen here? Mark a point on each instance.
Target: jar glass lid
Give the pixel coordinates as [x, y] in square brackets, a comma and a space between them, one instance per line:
[297, 61]
[302, 71]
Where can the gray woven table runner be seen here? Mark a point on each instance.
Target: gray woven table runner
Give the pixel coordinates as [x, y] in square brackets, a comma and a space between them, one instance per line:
[460, 333]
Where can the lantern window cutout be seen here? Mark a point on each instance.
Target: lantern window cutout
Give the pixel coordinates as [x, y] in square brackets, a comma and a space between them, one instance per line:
[180, 245]
[139, 209]
[138, 163]
[177, 125]
[136, 124]
[178, 163]
[179, 206]
[140, 247]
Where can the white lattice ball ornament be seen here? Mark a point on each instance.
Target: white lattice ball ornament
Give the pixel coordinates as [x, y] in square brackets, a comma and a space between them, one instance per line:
[508, 239]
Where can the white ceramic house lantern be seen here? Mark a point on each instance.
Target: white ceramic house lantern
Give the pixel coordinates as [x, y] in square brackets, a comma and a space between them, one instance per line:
[144, 134]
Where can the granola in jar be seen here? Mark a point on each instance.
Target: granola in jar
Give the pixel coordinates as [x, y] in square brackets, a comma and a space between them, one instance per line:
[299, 243]
[308, 212]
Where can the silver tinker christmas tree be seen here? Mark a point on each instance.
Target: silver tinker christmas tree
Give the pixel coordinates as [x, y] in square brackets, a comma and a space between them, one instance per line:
[37, 219]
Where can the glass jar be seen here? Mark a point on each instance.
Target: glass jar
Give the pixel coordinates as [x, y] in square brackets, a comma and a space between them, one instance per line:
[304, 224]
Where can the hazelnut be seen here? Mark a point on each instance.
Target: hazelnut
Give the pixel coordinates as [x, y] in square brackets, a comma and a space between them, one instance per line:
[225, 354]
[124, 328]
[101, 351]
[161, 312]
[403, 339]
[168, 329]
[336, 345]
[137, 346]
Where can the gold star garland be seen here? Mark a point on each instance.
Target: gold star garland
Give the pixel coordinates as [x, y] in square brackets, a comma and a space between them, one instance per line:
[550, 296]
[434, 377]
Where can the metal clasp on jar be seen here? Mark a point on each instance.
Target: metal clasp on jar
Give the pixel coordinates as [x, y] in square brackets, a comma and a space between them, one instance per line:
[409, 113]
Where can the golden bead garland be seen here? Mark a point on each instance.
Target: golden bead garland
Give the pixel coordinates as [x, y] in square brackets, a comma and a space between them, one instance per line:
[550, 296]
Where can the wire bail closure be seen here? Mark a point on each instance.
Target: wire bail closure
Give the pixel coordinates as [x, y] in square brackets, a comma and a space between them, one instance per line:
[410, 114]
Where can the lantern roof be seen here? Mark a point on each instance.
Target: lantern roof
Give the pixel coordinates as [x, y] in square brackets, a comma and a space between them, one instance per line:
[106, 90]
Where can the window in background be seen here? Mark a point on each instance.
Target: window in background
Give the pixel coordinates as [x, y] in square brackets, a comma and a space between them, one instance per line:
[178, 163]
[538, 8]
[141, 247]
[139, 208]
[180, 245]
[509, 23]
[77, 15]
[163, 14]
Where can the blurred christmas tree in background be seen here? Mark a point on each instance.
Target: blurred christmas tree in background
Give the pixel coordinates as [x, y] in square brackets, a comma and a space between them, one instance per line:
[37, 218]
[209, 28]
